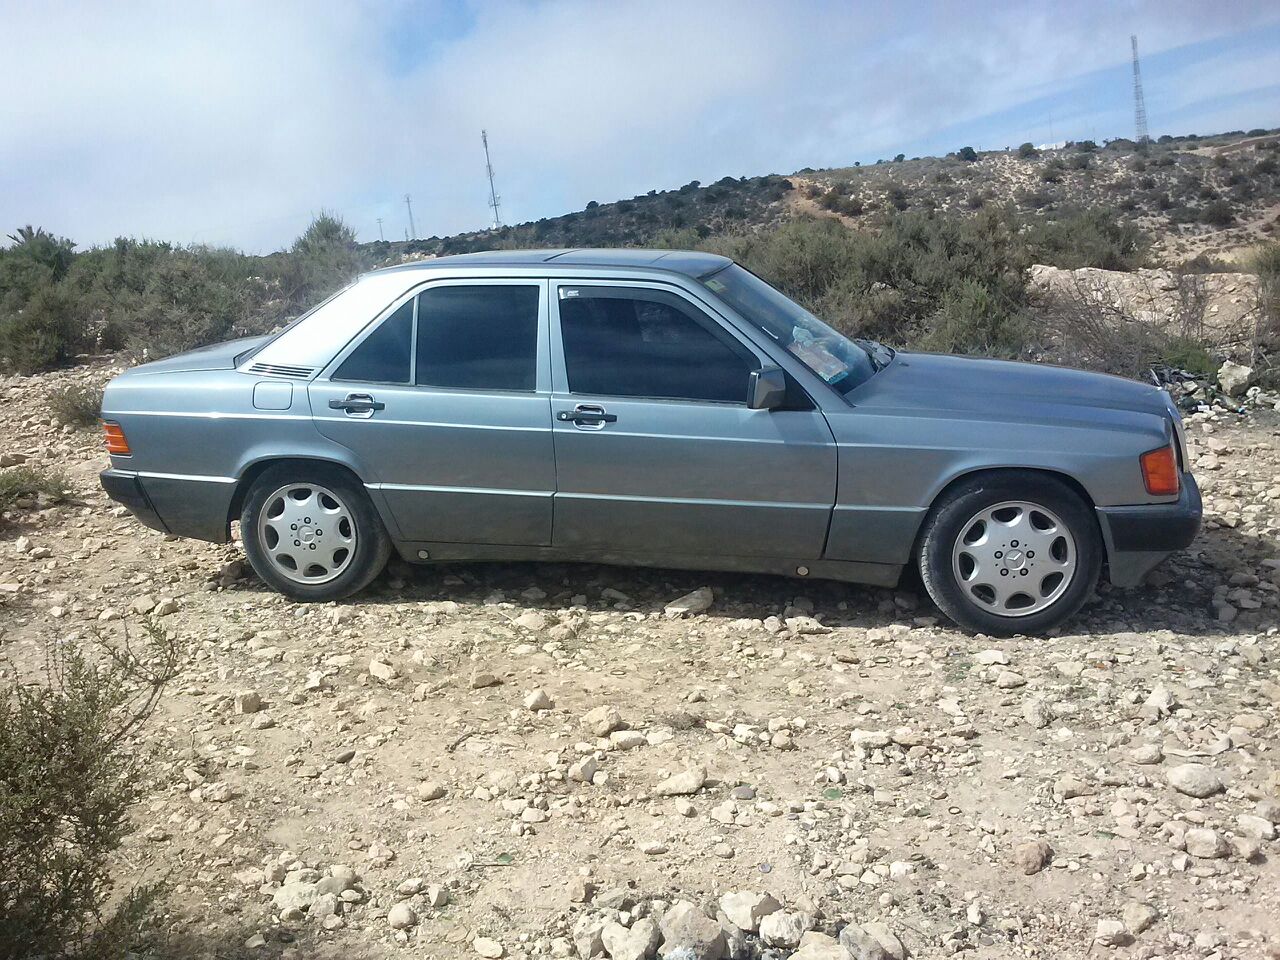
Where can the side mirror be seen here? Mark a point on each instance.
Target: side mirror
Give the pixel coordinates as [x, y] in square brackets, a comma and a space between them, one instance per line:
[767, 389]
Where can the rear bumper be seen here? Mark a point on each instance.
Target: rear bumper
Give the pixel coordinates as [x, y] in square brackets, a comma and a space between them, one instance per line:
[1139, 537]
[196, 507]
[126, 489]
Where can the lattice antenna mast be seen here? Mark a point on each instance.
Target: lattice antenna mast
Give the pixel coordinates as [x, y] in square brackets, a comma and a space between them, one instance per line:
[1139, 104]
[488, 169]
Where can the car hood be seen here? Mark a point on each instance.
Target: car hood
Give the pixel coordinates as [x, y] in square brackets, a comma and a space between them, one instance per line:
[219, 356]
[926, 381]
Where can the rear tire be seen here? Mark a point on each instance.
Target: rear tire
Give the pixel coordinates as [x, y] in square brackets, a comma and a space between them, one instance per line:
[311, 532]
[1013, 552]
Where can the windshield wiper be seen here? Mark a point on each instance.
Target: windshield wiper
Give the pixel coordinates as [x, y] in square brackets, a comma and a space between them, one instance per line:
[876, 352]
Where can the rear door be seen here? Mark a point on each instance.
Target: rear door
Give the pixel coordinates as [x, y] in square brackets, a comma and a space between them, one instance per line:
[445, 401]
[656, 450]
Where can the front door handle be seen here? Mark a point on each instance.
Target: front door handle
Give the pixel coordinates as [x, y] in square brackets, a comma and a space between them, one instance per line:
[360, 405]
[590, 416]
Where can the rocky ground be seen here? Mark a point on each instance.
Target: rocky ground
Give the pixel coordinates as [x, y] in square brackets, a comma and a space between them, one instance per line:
[555, 761]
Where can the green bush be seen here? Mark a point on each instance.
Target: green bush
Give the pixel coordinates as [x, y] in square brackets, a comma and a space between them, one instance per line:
[18, 483]
[1218, 213]
[68, 777]
[1028, 150]
[945, 281]
[1087, 238]
[76, 405]
[46, 331]
[967, 154]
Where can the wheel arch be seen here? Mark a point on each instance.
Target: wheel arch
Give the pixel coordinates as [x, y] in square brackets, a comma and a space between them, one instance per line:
[250, 474]
[1030, 472]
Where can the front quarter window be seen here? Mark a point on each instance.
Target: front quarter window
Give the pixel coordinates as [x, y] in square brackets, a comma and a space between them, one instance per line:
[837, 360]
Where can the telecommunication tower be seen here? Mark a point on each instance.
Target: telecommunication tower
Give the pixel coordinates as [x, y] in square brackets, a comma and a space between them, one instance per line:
[1139, 104]
[488, 169]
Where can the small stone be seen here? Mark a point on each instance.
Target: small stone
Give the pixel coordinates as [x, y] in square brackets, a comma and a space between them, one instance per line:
[431, 790]
[1009, 680]
[401, 917]
[248, 701]
[1254, 827]
[686, 928]
[699, 601]
[165, 607]
[491, 949]
[481, 680]
[584, 770]
[296, 895]
[1206, 844]
[537, 699]
[1112, 933]
[143, 604]
[1033, 856]
[747, 908]
[872, 941]
[635, 943]
[382, 670]
[1139, 916]
[783, 928]
[1146, 754]
[819, 946]
[602, 721]
[1234, 378]
[1194, 779]
[683, 783]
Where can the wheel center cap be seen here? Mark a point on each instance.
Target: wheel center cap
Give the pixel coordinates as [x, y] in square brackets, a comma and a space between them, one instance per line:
[1014, 559]
[306, 535]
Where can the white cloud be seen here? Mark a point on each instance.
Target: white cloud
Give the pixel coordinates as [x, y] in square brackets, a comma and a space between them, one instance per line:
[233, 122]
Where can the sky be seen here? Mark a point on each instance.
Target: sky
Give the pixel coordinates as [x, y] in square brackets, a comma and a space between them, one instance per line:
[234, 123]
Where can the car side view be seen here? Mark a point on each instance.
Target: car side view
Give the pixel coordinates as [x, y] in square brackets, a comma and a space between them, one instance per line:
[650, 408]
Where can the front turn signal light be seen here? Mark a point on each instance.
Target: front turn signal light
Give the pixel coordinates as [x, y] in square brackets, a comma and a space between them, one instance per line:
[1160, 472]
[117, 445]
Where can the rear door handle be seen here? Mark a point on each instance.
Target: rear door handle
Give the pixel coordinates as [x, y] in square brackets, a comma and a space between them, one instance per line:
[360, 405]
[588, 415]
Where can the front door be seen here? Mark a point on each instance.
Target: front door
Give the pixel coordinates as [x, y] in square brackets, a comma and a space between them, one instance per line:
[657, 452]
[442, 405]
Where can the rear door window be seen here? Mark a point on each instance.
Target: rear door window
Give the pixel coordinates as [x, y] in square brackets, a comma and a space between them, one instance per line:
[478, 337]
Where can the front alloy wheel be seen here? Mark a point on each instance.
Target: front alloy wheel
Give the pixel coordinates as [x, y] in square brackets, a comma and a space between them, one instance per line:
[1012, 552]
[1015, 558]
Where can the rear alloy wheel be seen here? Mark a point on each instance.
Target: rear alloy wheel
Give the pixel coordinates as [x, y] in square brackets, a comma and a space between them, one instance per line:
[1010, 553]
[312, 533]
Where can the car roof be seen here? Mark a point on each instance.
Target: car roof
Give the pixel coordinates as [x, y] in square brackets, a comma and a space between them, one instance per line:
[689, 262]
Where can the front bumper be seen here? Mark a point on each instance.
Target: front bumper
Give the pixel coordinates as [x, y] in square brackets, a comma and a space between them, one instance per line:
[1139, 537]
[126, 489]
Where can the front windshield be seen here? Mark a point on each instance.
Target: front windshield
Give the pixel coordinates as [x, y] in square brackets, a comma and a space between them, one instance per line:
[839, 361]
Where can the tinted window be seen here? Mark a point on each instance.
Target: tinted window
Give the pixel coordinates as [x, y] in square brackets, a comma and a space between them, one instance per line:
[383, 357]
[482, 337]
[632, 343]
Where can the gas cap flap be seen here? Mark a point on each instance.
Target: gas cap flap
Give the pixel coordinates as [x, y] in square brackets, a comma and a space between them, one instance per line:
[272, 395]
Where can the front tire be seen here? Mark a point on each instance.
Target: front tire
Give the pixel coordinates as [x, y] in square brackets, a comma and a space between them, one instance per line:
[1010, 553]
[311, 532]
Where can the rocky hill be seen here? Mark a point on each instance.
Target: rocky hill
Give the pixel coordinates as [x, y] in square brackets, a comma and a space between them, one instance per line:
[1199, 197]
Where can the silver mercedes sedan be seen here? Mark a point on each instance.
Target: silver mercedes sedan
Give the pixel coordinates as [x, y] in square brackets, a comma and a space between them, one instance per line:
[651, 408]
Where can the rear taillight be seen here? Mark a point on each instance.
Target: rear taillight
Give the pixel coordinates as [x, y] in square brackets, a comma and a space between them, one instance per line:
[1160, 472]
[117, 445]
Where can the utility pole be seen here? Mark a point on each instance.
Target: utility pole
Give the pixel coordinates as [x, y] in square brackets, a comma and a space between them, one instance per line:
[380, 236]
[488, 169]
[1139, 104]
[408, 202]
